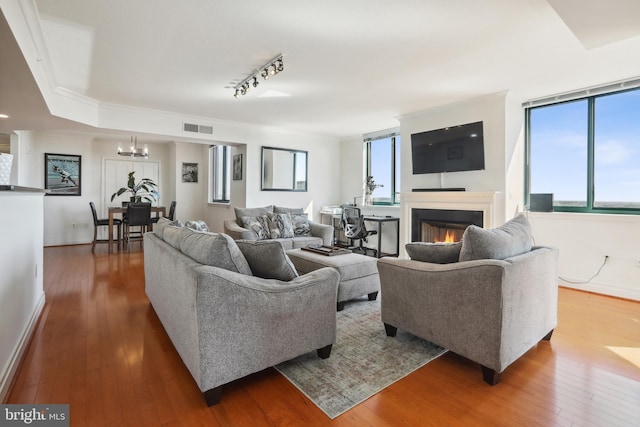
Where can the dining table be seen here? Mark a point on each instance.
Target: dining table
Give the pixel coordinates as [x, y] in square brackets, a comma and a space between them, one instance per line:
[160, 211]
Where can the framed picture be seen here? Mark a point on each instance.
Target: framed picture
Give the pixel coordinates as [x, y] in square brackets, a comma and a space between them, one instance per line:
[237, 167]
[62, 174]
[189, 172]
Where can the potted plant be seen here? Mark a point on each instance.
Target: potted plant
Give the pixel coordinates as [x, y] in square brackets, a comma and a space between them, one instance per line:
[144, 190]
[369, 187]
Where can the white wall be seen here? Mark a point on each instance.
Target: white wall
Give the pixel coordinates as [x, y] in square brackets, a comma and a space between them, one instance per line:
[190, 197]
[584, 240]
[21, 284]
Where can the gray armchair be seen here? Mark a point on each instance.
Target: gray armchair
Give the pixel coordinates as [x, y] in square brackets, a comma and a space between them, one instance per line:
[490, 311]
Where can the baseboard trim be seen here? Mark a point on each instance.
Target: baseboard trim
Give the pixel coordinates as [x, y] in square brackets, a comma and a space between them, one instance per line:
[16, 358]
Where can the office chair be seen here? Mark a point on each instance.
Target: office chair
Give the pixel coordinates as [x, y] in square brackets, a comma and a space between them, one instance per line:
[354, 229]
[102, 223]
[138, 215]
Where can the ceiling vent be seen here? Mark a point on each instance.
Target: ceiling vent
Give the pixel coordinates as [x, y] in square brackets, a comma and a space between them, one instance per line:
[191, 127]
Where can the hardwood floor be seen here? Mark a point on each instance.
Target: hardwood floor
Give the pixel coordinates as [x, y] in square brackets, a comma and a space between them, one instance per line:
[100, 347]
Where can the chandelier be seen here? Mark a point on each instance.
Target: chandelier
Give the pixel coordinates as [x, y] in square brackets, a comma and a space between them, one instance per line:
[134, 151]
[271, 68]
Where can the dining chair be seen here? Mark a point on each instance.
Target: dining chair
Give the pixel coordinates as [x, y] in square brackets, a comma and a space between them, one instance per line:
[102, 223]
[171, 216]
[138, 215]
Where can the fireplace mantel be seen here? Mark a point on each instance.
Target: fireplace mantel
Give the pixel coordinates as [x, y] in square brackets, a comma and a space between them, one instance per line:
[488, 202]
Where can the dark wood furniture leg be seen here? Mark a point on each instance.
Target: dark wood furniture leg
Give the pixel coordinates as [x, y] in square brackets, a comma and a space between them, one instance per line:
[373, 295]
[548, 336]
[324, 352]
[490, 376]
[340, 306]
[213, 396]
[390, 330]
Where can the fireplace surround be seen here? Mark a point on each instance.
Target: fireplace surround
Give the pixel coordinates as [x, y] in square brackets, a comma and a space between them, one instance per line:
[487, 203]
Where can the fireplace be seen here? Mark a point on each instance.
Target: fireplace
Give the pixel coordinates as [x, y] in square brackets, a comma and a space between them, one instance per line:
[487, 206]
[442, 225]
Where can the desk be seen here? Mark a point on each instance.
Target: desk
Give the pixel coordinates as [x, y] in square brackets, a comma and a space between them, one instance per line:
[380, 220]
[159, 210]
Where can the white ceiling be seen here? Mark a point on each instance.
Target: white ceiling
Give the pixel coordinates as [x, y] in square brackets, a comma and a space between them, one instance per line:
[350, 67]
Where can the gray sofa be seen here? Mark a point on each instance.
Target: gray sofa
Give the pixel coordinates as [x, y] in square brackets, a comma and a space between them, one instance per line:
[264, 222]
[490, 298]
[224, 322]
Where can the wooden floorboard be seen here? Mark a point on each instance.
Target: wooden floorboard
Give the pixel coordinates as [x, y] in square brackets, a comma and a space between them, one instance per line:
[100, 347]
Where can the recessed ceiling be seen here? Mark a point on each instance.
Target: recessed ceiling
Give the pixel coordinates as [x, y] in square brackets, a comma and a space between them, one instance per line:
[350, 67]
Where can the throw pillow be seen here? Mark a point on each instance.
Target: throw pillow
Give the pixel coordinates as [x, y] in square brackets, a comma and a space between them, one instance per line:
[173, 235]
[280, 209]
[437, 253]
[511, 239]
[268, 259]
[162, 224]
[197, 225]
[280, 226]
[300, 223]
[257, 224]
[218, 250]
[240, 212]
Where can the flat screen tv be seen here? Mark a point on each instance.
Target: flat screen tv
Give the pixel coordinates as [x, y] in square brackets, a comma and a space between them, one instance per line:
[452, 149]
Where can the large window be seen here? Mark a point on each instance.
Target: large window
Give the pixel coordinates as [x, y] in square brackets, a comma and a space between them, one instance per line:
[220, 173]
[383, 163]
[586, 152]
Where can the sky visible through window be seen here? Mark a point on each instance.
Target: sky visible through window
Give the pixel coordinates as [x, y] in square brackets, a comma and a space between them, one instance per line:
[559, 151]
[381, 167]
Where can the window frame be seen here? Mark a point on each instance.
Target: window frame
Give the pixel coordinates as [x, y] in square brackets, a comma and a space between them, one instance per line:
[591, 145]
[224, 175]
[395, 199]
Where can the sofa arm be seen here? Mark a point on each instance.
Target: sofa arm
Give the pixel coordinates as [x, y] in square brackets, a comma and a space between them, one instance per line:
[248, 324]
[236, 232]
[324, 231]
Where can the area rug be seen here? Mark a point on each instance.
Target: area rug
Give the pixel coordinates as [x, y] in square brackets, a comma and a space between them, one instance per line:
[363, 360]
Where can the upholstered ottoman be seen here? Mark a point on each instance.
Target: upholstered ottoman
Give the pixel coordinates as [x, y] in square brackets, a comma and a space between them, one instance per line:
[358, 273]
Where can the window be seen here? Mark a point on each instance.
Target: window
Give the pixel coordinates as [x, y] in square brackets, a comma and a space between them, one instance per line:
[383, 163]
[587, 153]
[220, 161]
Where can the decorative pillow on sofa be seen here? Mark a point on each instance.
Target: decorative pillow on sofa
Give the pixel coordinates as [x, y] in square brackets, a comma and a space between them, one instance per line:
[292, 211]
[280, 226]
[268, 259]
[300, 223]
[257, 224]
[437, 253]
[173, 235]
[218, 250]
[240, 212]
[511, 239]
[197, 225]
[163, 223]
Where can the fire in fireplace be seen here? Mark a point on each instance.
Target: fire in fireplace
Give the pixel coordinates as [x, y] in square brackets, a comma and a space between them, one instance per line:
[442, 225]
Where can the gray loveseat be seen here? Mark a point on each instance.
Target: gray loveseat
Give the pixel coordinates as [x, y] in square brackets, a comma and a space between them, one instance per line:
[289, 226]
[224, 322]
[490, 298]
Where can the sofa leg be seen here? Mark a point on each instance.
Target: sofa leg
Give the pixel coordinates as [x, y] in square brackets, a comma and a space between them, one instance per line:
[390, 330]
[490, 376]
[548, 336]
[212, 396]
[324, 352]
[340, 306]
[373, 295]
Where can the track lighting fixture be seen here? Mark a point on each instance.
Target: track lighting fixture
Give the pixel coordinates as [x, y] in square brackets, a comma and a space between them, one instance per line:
[271, 68]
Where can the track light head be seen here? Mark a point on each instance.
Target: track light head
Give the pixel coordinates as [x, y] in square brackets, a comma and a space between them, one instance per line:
[265, 74]
[255, 81]
[280, 65]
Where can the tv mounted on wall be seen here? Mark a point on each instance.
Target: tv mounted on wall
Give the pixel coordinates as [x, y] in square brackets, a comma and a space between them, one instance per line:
[452, 149]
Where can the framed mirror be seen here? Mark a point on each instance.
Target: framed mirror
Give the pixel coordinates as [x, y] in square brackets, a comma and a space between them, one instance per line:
[284, 169]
